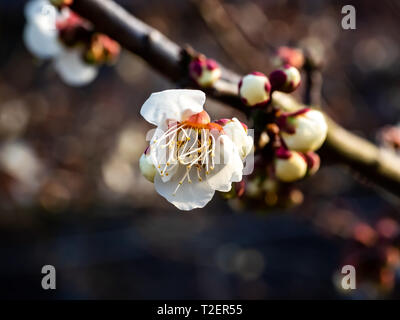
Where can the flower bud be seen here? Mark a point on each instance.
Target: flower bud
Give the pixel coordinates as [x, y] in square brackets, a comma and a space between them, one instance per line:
[102, 49]
[240, 188]
[389, 137]
[304, 130]
[61, 3]
[147, 167]
[205, 72]
[285, 79]
[237, 191]
[73, 29]
[263, 140]
[290, 166]
[255, 89]
[290, 56]
[313, 162]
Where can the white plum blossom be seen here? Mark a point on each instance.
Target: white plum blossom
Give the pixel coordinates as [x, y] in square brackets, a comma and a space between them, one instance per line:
[73, 70]
[40, 32]
[193, 156]
[41, 37]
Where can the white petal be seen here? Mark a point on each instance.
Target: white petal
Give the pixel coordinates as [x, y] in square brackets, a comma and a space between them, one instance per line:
[40, 41]
[189, 195]
[172, 104]
[159, 156]
[45, 11]
[72, 69]
[247, 147]
[234, 130]
[35, 7]
[147, 167]
[229, 165]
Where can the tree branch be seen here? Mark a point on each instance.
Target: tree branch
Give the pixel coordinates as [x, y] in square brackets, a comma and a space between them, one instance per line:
[376, 164]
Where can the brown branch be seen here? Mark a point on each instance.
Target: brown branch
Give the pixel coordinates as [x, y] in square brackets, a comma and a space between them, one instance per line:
[162, 54]
[312, 92]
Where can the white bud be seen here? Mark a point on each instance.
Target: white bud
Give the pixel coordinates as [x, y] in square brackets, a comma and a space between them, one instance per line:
[147, 167]
[254, 89]
[310, 130]
[209, 77]
[204, 71]
[290, 169]
[285, 79]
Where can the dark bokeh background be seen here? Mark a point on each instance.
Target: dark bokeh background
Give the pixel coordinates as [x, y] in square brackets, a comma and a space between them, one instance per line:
[71, 194]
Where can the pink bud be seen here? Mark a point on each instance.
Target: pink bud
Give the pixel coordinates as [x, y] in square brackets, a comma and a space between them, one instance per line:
[285, 79]
[223, 122]
[282, 153]
[291, 56]
[240, 188]
[205, 72]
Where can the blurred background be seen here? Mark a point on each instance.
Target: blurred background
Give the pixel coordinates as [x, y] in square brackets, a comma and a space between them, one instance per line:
[72, 196]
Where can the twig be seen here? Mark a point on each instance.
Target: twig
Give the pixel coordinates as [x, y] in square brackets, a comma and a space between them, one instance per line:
[245, 55]
[312, 92]
[378, 165]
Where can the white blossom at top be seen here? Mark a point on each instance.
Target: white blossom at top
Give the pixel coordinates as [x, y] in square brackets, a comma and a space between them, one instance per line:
[193, 157]
[40, 32]
[72, 69]
[41, 38]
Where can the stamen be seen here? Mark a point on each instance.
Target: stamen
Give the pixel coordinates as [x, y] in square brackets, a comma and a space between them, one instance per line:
[183, 179]
[198, 173]
[187, 145]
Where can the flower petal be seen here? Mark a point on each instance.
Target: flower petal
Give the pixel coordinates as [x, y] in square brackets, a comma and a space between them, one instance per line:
[41, 41]
[160, 156]
[228, 167]
[35, 7]
[234, 130]
[189, 195]
[72, 69]
[172, 104]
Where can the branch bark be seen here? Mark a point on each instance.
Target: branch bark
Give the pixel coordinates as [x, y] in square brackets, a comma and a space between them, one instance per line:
[378, 165]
